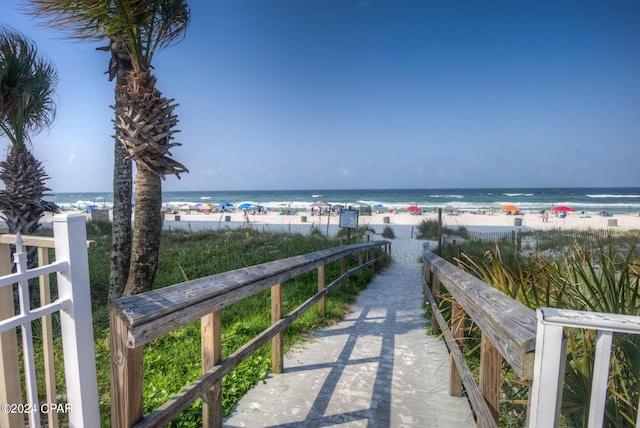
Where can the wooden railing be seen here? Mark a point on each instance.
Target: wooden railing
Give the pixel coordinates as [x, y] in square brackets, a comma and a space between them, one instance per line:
[508, 331]
[73, 302]
[138, 319]
[546, 389]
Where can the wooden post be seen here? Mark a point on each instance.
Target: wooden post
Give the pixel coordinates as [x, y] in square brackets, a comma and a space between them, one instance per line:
[277, 343]
[490, 375]
[321, 284]
[10, 391]
[427, 281]
[435, 290]
[457, 329]
[372, 255]
[343, 269]
[47, 338]
[126, 376]
[440, 232]
[211, 337]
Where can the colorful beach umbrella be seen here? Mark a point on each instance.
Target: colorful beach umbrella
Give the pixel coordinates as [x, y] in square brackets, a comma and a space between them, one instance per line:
[413, 208]
[562, 208]
[509, 208]
[449, 208]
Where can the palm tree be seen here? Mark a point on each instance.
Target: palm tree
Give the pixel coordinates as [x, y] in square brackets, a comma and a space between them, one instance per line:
[144, 122]
[27, 85]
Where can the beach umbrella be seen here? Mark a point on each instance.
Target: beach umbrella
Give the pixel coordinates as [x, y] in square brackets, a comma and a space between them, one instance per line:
[320, 204]
[509, 208]
[563, 208]
[413, 208]
[245, 206]
[378, 206]
[225, 205]
[337, 207]
[449, 208]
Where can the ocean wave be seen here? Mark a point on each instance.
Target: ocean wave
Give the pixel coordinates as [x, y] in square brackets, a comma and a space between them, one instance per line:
[515, 195]
[447, 196]
[612, 196]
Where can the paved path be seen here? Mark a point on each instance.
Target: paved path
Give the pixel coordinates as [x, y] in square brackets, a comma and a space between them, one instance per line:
[377, 368]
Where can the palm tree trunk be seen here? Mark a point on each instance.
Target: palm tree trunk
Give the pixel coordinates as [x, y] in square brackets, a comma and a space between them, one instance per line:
[121, 228]
[147, 228]
[119, 68]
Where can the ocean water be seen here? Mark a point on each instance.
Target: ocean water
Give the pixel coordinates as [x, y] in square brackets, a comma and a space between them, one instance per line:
[593, 200]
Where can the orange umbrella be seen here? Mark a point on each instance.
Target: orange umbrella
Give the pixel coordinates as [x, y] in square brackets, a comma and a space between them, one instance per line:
[509, 208]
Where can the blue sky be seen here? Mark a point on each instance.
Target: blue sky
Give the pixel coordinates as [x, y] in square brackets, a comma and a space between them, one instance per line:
[320, 94]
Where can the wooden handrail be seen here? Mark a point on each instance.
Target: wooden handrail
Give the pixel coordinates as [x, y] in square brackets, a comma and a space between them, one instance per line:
[507, 327]
[136, 320]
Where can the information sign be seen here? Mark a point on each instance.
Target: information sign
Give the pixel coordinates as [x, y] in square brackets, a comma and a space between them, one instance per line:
[349, 219]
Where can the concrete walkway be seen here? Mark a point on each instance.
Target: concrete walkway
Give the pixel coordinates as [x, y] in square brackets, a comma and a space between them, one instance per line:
[377, 368]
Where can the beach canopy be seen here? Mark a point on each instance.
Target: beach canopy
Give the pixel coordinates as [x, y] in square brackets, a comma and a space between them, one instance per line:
[413, 208]
[509, 208]
[563, 208]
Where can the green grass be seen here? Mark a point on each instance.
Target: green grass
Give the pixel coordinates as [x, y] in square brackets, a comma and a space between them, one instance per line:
[173, 361]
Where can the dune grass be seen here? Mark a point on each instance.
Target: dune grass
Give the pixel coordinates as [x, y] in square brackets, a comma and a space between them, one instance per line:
[573, 273]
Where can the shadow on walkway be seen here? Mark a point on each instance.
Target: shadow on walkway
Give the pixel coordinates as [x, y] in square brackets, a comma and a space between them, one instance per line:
[376, 368]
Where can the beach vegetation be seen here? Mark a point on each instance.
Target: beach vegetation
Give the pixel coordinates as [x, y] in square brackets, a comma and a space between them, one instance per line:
[173, 361]
[388, 233]
[133, 33]
[428, 229]
[590, 275]
[27, 88]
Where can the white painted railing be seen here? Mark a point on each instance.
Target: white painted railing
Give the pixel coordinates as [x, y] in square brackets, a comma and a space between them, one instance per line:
[74, 306]
[550, 360]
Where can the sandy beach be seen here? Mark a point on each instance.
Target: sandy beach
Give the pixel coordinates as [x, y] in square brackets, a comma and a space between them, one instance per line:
[403, 223]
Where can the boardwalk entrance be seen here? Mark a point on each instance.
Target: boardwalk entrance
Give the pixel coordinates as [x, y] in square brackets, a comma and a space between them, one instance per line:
[377, 368]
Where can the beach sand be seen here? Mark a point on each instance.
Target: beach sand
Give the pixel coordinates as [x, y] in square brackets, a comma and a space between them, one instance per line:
[404, 224]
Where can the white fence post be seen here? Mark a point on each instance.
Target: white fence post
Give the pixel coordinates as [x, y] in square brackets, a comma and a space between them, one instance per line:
[548, 375]
[76, 321]
[20, 260]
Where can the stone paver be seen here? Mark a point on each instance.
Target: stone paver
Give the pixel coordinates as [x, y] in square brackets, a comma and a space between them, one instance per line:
[377, 368]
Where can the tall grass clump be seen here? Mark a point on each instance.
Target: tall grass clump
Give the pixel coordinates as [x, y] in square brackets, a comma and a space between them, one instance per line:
[599, 279]
[428, 229]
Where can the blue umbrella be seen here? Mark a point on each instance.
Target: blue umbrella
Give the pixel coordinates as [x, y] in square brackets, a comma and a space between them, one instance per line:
[225, 204]
[378, 206]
